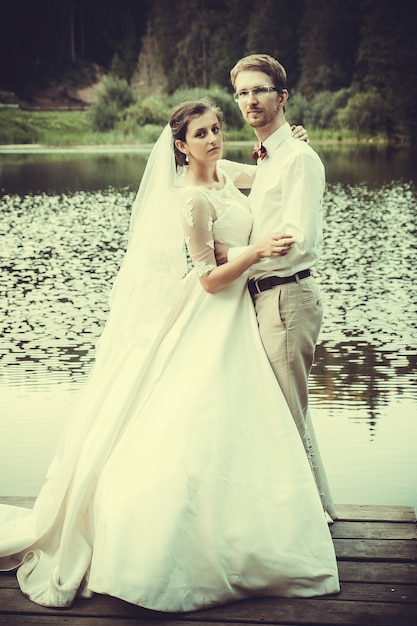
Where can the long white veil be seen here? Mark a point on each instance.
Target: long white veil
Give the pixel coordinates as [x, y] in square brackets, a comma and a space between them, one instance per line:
[149, 278]
[144, 300]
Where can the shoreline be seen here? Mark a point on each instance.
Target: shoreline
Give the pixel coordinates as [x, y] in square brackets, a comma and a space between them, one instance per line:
[146, 147]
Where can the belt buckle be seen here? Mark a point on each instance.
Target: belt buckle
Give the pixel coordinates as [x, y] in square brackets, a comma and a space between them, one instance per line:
[255, 282]
[255, 289]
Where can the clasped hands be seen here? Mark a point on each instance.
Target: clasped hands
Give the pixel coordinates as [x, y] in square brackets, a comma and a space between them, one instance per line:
[274, 245]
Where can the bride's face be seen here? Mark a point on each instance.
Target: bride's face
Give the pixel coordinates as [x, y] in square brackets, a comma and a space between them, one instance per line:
[204, 139]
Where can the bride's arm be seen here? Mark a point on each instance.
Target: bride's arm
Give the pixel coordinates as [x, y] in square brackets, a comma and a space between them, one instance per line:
[242, 174]
[299, 132]
[197, 219]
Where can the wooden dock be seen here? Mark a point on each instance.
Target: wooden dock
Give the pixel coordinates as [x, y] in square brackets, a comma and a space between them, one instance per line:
[376, 549]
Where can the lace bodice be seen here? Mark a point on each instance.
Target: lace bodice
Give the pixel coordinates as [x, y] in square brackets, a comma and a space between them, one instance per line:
[210, 215]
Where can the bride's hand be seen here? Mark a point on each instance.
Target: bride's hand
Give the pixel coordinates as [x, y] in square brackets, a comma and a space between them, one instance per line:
[277, 244]
[299, 132]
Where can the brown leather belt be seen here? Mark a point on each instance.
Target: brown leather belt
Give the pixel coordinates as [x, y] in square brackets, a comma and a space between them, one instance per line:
[257, 286]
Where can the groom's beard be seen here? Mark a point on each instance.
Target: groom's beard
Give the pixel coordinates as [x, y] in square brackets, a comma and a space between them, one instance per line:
[258, 117]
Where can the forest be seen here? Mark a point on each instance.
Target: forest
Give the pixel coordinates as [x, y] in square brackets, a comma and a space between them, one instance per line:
[350, 63]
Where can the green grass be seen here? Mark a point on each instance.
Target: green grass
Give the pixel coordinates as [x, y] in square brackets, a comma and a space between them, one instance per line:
[45, 127]
[64, 128]
[70, 128]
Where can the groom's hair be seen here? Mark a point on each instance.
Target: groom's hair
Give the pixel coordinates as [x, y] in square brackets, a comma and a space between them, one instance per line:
[261, 63]
[180, 118]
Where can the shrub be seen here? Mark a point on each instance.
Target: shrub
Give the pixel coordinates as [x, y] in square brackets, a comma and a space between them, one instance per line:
[320, 112]
[116, 96]
[151, 110]
[103, 116]
[324, 108]
[296, 109]
[364, 112]
[149, 133]
[16, 128]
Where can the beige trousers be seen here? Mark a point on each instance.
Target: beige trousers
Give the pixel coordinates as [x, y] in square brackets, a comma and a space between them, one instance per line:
[289, 318]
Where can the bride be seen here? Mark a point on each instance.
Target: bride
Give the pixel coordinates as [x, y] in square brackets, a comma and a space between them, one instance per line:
[180, 481]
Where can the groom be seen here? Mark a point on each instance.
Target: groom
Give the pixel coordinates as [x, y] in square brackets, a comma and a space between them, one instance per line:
[286, 197]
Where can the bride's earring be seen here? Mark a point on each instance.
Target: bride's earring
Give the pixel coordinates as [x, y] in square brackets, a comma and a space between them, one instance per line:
[186, 159]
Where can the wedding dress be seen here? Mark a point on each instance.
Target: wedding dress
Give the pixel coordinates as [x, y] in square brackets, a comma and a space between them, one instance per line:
[181, 481]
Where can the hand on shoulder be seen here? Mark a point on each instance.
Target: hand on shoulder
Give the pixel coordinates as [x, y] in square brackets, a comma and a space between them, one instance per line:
[299, 132]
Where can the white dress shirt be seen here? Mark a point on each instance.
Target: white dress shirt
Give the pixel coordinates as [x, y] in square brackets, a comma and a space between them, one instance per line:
[286, 196]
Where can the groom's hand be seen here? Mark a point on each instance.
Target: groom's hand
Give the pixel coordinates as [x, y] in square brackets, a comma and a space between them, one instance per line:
[220, 251]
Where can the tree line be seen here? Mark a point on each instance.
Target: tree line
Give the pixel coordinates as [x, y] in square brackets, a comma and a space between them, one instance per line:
[355, 55]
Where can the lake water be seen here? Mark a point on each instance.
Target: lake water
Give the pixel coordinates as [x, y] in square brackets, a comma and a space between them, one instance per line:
[64, 221]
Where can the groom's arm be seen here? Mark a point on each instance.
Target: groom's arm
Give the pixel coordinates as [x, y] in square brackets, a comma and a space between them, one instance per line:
[220, 251]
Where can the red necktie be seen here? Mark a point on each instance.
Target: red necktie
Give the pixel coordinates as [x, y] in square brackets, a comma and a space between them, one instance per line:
[259, 152]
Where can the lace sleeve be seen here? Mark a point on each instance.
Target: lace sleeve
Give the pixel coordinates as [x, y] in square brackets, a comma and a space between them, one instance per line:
[241, 174]
[197, 219]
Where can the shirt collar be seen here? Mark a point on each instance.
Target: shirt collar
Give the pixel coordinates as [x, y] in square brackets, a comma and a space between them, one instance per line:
[277, 138]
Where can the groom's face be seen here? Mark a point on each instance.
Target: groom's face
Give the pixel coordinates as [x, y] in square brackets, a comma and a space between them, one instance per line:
[258, 111]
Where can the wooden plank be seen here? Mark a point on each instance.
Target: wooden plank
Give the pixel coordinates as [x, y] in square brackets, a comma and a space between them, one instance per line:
[317, 612]
[376, 549]
[264, 608]
[373, 530]
[56, 620]
[48, 620]
[346, 614]
[364, 589]
[90, 620]
[377, 592]
[375, 513]
[349, 571]
[8, 581]
[378, 572]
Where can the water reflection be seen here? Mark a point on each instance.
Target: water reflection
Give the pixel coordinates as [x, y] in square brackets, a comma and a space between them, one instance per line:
[60, 253]
[362, 375]
[373, 164]
[72, 170]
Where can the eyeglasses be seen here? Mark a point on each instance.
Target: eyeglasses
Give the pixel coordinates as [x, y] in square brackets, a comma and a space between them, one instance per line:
[258, 92]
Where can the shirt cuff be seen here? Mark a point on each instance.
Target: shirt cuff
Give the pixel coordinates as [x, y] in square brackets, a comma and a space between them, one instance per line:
[233, 253]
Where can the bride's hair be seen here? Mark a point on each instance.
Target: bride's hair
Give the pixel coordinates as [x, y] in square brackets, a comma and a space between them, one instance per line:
[180, 118]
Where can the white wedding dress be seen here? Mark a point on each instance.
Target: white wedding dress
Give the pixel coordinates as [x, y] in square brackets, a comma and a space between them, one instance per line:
[181, 481]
